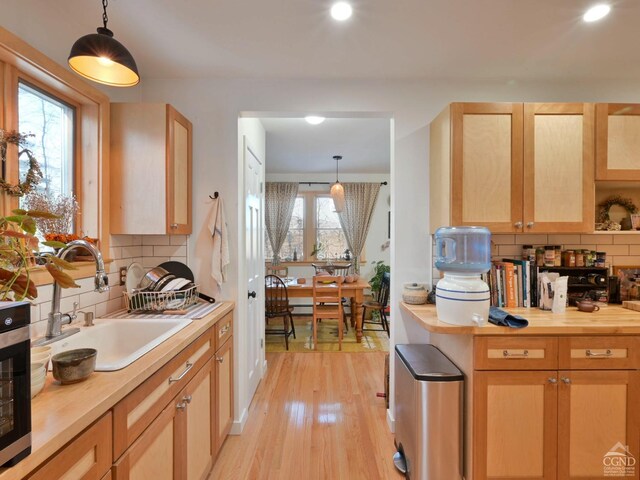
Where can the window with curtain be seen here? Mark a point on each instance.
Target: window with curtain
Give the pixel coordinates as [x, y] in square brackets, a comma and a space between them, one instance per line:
[295, 237]
[328, 230]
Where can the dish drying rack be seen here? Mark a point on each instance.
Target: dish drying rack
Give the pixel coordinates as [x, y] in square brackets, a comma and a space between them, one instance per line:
[147, 301]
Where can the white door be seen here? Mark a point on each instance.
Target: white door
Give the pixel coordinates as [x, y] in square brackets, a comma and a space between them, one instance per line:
[254, 201]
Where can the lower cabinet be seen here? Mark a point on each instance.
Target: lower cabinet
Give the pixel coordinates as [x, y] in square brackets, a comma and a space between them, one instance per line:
[224, 392]
[566, 424]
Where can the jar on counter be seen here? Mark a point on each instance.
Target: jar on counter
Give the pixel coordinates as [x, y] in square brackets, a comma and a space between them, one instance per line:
[528, 253]
[540, 256]
[549, 256]
[414, 294]
[601, 259]
[592, 257]
[569, 259]
[579, 258]
[557, 250]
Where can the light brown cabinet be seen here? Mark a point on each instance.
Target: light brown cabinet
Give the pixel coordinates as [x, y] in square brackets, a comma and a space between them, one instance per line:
[224, 392]
[87, 457]
[151, 169]
[513, 167]
[618, 141]
[532, 421]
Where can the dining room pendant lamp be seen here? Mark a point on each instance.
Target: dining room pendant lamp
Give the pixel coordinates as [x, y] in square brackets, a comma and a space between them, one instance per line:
[103, 59]
[337, 190]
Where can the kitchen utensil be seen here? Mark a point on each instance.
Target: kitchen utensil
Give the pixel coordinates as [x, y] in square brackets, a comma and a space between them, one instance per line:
[163, 282]
[135, 274]
[175, 284]
[152, 277]
[74, 366]
[179, 269]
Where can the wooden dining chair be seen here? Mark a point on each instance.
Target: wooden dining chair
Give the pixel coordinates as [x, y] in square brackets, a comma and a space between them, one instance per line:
[379, 305]
[280, 271]
[332, 269]
[276, 305]
[327, 303]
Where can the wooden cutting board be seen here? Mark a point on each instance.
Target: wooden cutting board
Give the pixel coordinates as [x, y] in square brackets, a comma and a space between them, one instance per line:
[632, 305]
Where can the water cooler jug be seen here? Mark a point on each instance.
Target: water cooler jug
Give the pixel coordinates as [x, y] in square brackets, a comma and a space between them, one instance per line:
[463, 254]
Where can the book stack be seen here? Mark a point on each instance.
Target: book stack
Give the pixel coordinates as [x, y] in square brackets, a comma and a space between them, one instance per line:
[513, 283]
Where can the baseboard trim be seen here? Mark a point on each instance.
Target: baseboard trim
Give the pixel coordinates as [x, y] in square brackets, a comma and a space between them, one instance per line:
[391, 422]
[238, 425]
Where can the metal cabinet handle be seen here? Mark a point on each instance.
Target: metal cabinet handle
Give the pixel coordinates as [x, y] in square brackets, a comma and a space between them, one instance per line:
[252, 294]
[187, 398]
[518, 224]
[224, 330]
[553, 380]
[189, 366]
[607, 353]
[219, 359]
[181, 406]
[530, 224]
[508, 354]
[566, 380]
[174, 225]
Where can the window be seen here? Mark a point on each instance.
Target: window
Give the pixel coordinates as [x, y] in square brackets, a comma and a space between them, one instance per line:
[51, 121]
[313, 222]
[295, 237]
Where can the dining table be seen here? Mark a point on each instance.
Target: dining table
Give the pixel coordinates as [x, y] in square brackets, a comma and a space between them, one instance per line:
[354, 291]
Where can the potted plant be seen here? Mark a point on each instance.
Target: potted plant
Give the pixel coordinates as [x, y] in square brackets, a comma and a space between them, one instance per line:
[378, 271]
[18, 247]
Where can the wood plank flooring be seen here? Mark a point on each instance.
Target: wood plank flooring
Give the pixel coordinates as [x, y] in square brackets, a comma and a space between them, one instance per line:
[314, 416]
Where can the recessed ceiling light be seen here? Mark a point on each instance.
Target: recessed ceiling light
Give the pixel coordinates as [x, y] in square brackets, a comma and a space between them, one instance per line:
[597, 12]
[314, 119]
[341, 11]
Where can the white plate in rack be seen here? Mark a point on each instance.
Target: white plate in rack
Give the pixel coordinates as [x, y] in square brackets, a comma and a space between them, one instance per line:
[135, 274]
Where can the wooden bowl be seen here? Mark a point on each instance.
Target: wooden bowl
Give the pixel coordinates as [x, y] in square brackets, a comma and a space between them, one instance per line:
[74, 366]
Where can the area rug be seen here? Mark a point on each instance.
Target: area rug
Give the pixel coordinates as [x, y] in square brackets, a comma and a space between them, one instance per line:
[372, 341]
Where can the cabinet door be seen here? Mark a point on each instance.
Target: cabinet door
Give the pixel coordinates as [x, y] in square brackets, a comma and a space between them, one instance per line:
[559, 187]
[178, 172]
[617, 141]
[224, 392]
[486, 165]
[515, 425]
[159, 452]
[598, 425]
[200, 414]
[87, 457]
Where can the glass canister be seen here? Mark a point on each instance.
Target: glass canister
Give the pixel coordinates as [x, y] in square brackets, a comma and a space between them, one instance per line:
[579, 258]
[463, 250]
[549, 256]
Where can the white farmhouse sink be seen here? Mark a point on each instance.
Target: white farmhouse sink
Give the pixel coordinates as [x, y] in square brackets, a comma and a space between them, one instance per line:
[120, 342]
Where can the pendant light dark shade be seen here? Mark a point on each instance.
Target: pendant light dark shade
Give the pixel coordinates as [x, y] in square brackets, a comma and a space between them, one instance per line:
[101, 58]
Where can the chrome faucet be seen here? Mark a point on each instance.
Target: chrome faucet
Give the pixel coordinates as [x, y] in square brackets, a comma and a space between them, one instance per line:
[56, 318]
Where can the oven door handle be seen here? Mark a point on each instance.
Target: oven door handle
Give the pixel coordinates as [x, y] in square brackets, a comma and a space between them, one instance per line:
[14, 336]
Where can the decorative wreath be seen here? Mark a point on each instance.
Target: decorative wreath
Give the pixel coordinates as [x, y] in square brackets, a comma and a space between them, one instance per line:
[34, 174]
[605, 205]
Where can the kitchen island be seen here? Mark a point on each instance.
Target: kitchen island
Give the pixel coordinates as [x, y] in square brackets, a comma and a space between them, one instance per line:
[558, 399]
[106, 426]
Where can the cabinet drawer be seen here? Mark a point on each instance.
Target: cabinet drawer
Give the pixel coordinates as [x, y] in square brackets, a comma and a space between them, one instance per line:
[223, 330]
[133, 414]
[600, 353]
[515, 353]
[88, 457]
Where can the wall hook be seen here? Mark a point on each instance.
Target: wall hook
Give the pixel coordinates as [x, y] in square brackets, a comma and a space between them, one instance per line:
[215, 195]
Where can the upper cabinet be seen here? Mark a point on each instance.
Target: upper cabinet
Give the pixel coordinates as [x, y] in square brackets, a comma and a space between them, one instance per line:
[513, 167]
[617, 141]
[150, 169]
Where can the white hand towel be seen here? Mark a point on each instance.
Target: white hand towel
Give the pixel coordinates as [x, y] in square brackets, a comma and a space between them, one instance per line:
[218, 229]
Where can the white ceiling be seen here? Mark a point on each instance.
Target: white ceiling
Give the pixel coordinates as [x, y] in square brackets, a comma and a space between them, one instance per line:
[505, 39]
[294, 146]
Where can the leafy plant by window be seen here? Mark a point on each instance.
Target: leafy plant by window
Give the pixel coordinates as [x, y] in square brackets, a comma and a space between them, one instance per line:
[378, 271]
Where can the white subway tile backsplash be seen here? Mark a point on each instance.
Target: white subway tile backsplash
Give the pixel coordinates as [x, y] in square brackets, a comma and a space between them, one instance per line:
[170, 251]
[562, 239]
[156, 240]
[614, 249]
[626, 239]
[510, 250]
[132, 251]
[624, 260]
[178, 239]
[147, 251]
[532, 239]
[500, 239]
[595, 238]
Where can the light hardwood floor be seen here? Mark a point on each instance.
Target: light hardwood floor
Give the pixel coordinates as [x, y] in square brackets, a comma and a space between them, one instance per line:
[314, 416]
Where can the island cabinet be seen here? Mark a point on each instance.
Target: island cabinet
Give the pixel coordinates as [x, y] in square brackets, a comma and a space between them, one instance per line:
[151, 169]
[559, 399]
[618, 141]
[513, 167]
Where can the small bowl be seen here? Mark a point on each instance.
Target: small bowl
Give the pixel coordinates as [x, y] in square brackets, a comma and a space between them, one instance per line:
[36, 387]
[74, 366]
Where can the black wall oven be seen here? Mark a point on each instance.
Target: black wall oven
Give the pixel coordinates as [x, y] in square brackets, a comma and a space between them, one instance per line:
[15, 382]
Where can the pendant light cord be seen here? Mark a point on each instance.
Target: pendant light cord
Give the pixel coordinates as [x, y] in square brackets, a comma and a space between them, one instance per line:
[337, 158]
[105, 18]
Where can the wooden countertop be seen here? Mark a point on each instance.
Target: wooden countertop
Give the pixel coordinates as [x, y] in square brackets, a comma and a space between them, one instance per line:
[60, 413]
[610, 320]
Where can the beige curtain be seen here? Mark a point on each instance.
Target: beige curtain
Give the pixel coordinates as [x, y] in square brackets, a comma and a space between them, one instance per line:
[359, 202]
[280, 198]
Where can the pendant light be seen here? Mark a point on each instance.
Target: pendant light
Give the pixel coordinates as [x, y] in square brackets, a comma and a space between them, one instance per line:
[337, 190]
[101, 58]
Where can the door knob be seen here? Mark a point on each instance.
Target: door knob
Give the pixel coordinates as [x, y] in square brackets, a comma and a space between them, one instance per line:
[566, 380]
[252, 294]
[518, 224]
[530, 224]
[187, 398]
[552, 380]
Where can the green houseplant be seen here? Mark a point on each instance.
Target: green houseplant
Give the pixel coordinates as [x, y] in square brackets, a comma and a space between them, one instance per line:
[378, 271]
[19, 247]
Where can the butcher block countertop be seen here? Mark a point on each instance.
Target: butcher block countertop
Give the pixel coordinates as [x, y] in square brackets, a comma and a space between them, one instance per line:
[610, 320]
[60, 413]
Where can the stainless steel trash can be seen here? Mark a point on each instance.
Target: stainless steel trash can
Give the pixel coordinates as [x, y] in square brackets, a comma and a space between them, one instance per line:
[429, 400]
